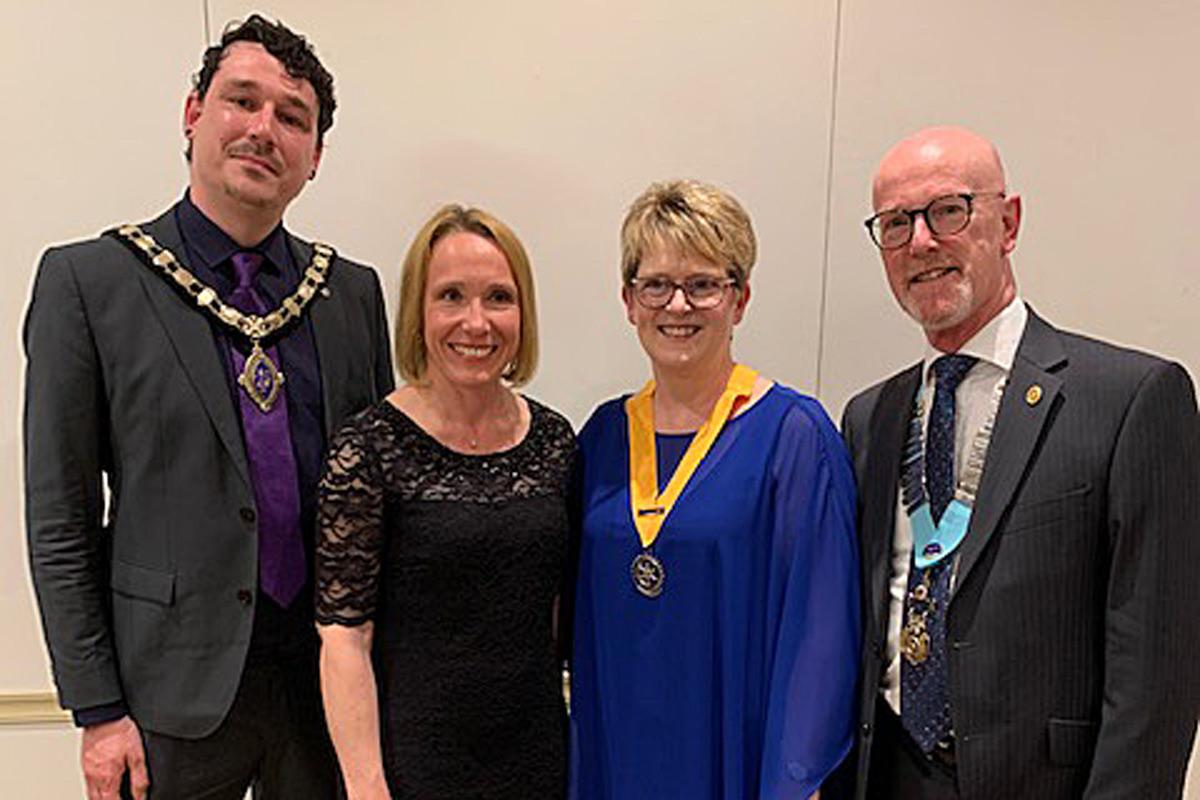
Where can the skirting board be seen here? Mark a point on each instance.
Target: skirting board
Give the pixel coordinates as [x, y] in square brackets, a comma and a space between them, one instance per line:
[31, 708]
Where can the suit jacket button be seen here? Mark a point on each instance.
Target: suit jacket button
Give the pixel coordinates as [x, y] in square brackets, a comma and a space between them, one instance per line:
[245, 597]
[866, 729]
[247, 514]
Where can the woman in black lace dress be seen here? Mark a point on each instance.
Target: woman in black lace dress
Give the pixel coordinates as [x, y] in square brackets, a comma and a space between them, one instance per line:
[442, 542]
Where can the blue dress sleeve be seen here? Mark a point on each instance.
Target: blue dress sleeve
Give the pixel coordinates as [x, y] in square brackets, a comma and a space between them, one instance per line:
[812, 691]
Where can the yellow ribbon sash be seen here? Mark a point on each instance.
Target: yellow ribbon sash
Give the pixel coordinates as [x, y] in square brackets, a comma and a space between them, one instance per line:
[650, 509]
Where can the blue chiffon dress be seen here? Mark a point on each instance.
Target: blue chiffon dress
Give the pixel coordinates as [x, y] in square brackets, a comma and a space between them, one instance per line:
[738, 681]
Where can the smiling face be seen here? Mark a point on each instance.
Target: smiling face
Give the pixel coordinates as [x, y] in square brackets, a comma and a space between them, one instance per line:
[951, 285]
[471, 312]
[678, 336]
[253, 135]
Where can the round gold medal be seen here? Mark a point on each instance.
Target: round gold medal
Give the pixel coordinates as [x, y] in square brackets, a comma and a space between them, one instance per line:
[648, 574]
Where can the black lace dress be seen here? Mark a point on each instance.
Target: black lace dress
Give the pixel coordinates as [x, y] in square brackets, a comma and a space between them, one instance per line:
[457, 559]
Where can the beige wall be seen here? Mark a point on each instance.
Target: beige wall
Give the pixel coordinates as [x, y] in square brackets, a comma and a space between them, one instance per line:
[1093, 105]
[554, 115]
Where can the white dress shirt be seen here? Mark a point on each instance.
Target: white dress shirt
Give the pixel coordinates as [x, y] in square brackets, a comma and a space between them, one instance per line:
[995, 345]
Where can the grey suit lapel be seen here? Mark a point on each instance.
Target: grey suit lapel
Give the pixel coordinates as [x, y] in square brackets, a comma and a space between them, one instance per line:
[191, 336]
[885, 441]
[1019, 427]
[329, 332]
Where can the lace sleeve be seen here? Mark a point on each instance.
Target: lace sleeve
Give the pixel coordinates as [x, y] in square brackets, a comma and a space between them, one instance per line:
[350, 533]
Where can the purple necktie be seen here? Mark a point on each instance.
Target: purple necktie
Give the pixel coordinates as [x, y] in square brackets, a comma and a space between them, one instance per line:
[268, 437]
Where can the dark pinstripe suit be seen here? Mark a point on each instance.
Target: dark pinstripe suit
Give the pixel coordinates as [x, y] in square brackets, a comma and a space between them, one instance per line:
[1074, 626]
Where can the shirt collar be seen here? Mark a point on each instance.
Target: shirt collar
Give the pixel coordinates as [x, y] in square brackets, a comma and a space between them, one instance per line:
[995, 343]
[212, 247]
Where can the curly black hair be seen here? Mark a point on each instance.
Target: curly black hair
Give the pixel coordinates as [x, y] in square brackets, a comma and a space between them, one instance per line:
[290, 48]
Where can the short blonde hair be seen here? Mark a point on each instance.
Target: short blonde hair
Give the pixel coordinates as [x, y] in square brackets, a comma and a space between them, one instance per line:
[693, 216]
[411, 356]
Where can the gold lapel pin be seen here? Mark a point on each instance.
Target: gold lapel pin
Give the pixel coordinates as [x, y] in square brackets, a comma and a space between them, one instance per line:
[1034, 395]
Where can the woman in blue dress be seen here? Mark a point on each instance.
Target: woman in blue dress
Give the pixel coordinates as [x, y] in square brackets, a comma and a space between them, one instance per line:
[716, 612]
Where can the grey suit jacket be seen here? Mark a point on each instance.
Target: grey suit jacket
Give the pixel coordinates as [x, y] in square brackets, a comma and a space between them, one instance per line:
[152, 599]
[1073, 627]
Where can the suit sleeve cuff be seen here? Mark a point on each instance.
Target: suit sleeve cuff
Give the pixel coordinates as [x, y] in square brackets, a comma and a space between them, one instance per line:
[95, 715]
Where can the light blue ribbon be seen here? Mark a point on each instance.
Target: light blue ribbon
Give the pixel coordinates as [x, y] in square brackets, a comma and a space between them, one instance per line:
[932, 543]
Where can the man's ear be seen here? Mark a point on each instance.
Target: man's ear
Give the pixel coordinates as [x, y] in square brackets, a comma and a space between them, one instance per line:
[1011, 217]
[192, 108]
[316, 161]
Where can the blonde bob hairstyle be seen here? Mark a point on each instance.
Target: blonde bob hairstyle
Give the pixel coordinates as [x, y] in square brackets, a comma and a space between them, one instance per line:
[696, 218]
[411, 356]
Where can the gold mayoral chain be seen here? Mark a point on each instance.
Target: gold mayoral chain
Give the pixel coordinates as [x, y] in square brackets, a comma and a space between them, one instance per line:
[650, 509]
[261, 377]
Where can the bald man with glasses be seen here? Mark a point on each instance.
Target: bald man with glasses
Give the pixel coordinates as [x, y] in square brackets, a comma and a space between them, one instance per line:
[1029, 516]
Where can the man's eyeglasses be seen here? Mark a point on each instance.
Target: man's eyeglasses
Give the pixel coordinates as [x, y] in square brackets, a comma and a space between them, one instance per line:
[944, 216]
[701, 291]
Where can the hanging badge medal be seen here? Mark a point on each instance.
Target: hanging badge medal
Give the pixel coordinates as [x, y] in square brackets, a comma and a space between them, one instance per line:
[261, 378]
[648, 574]
[649, 508]
[914, 636]
[933, 542]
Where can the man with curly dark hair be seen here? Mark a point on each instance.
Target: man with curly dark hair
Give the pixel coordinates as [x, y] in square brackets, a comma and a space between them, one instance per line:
[193, 366]
[292, 51]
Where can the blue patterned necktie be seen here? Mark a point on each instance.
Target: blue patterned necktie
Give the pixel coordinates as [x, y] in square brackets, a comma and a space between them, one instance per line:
[924, 699]
[282, 569]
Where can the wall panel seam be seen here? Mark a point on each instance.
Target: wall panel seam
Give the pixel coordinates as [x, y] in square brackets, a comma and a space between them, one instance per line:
[829, 170]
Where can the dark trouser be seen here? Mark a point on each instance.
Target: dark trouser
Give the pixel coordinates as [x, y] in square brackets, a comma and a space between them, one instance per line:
[899, 771]
[273, 741]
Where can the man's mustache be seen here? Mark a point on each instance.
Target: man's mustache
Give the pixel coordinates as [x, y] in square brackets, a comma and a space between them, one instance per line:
[263, 151]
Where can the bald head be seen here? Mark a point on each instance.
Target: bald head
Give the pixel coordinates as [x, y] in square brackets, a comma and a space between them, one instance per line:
[955, 281]
[946, 151]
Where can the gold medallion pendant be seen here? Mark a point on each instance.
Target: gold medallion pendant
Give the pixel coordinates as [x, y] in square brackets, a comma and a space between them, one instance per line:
[649, 575]
[914, 638]
[261, 379]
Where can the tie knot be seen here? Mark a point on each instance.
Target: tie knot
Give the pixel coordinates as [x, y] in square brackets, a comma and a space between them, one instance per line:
[950, 370]
[245, 266]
